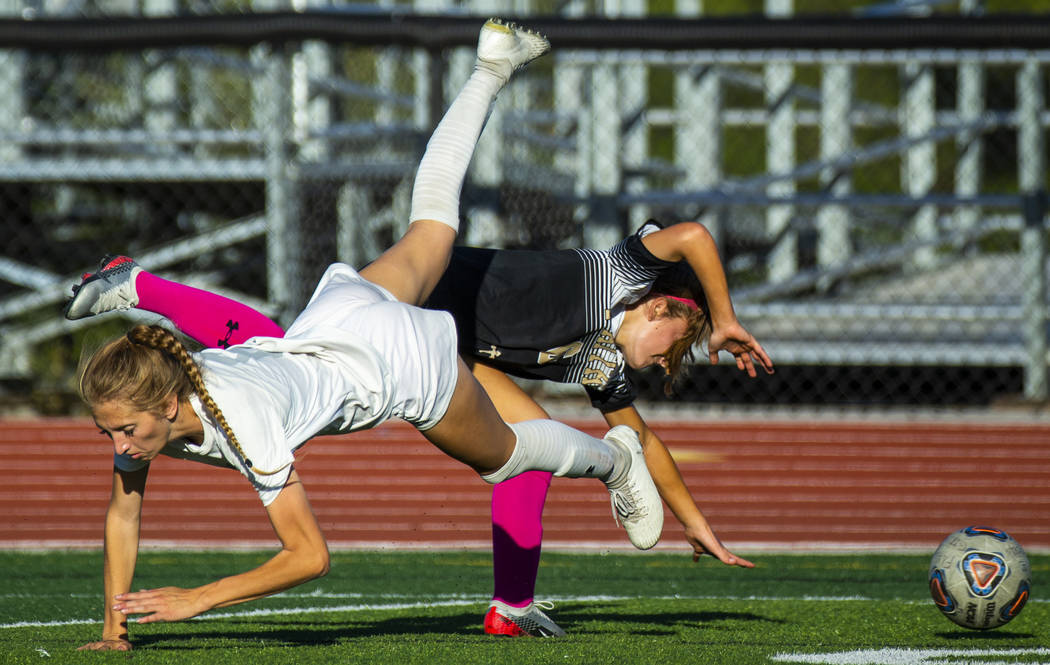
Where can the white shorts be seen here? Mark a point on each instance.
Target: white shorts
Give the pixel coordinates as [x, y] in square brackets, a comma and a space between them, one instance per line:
[418, 345]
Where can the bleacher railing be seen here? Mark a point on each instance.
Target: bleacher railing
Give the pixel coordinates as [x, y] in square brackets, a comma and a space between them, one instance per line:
[876, 184]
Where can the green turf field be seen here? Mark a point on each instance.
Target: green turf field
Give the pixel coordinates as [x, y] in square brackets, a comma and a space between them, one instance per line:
[618, 608]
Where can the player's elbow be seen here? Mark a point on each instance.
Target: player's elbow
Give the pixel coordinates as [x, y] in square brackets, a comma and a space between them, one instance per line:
[693, 233]
[321, 564]
[312, 563]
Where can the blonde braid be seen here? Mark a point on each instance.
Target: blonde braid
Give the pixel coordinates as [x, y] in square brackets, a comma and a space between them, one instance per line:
[161, 339]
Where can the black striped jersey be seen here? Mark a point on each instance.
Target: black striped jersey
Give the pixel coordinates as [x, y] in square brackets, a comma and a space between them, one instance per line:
[550, 314]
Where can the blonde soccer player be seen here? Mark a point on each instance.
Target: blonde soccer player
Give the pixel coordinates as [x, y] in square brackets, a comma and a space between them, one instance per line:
[360, 353]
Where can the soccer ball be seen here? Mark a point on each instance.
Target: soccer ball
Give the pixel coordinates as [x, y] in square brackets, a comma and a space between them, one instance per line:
[980, 577]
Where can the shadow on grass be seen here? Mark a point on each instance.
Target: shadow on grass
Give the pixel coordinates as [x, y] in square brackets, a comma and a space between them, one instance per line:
[575, 618]
[313, 631]
[964, 635]
[329, 631]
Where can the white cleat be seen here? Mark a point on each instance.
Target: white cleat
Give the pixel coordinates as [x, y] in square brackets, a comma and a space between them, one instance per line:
[110, 288]
[504, 47]
[635, 501]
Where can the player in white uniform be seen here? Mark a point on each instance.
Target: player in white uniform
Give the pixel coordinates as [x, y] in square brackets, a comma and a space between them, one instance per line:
[356, 356]
[577, 316]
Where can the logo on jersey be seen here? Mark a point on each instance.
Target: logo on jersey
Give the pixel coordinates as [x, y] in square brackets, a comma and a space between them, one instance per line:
[603, 359]
[559, 352]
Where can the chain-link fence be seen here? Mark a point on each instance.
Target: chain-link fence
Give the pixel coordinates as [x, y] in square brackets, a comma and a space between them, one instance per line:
[880, 210]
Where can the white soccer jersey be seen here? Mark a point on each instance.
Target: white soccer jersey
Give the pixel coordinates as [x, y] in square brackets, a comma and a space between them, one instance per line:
[354, 358]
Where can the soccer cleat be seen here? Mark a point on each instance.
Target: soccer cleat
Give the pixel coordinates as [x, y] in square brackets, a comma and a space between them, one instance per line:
[528, 621]
[111, 288]
[635, 501]
[504, 47]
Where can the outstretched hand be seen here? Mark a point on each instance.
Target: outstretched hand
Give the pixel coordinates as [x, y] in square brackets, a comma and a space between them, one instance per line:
[742, 344]
[164, 604]
[705, 542]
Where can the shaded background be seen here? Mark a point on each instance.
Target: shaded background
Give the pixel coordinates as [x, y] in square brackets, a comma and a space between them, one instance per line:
[874, 173]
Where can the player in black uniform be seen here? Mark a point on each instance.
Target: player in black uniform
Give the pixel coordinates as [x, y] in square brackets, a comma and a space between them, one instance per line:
[584, 316]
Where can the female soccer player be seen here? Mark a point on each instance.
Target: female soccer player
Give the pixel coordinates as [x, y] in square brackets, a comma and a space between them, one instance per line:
[583, 316]
[355, 357]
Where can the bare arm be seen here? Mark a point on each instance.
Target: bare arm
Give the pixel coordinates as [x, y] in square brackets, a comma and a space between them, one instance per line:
[303, 557]
[691, 242]
[120, 555]
[672, 489]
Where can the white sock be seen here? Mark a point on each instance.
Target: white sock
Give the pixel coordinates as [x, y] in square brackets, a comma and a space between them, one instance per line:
[439, 179]
[547, 445]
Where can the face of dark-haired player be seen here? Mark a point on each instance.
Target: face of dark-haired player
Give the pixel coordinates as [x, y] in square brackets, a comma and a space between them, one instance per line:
[647, 333]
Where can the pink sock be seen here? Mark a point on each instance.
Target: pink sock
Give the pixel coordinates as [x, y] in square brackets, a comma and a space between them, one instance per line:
[211, 319]
[517, 533]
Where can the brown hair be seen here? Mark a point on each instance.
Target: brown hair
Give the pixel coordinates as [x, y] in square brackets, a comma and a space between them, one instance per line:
[144, 368]
[698, 329]
[680, 281]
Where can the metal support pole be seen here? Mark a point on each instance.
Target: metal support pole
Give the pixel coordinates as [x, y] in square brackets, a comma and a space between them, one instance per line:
[1031, 136]
[781, 157]
[836, 139]
[1033, 269]
[970, 103]
[698, 141]
[603, 229]
[274, 117]
[919, 166]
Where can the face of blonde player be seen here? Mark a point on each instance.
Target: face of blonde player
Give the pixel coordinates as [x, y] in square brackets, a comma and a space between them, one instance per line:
[647, 332]
[139, 434]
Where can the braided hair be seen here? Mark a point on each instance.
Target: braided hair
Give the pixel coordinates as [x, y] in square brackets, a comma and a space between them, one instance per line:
[144, 368]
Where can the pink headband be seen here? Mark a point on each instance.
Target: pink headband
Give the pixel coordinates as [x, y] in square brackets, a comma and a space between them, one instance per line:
[691, 303]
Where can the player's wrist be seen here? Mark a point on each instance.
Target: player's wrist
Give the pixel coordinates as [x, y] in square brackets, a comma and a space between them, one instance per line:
[723, 320]
[207, 597]
[115, 625]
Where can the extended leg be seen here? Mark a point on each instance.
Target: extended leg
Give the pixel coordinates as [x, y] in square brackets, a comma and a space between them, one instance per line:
[412, 267]
[211, 319]
[472, 432]
[517, 503]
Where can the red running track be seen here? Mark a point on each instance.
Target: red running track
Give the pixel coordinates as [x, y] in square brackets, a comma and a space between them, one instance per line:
[779, 485]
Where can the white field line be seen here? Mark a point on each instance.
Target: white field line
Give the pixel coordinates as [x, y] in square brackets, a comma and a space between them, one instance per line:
[747, 548]
[453, 600]
[902, 656]
[755, 548]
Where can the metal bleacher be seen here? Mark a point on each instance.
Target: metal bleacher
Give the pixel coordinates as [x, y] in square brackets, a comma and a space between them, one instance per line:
[828, 264]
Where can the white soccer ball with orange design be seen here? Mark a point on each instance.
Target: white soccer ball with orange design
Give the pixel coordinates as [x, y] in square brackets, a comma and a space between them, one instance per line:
[980, 577]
